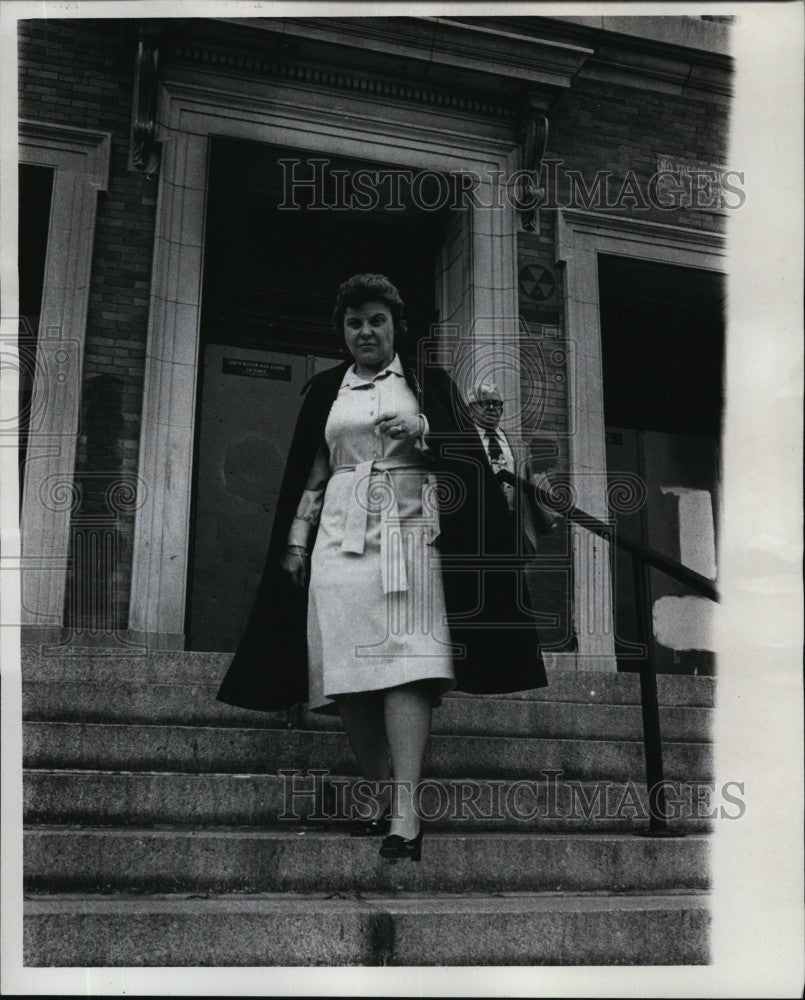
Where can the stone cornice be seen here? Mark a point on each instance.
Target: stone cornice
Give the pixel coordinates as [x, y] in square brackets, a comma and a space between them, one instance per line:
[475, 66]
[438, 47]
[664, 72]
[681, 55]
[702, 40]
[335, 78]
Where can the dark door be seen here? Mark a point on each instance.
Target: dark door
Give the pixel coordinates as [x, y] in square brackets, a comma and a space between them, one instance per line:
[250, 401]
[35, 194]
[270, 281]
[662, 334]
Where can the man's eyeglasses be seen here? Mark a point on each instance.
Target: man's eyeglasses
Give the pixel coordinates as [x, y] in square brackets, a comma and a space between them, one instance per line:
[488, 404]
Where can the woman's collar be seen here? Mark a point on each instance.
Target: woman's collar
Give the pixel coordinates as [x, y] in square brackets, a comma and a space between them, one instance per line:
[394, 367]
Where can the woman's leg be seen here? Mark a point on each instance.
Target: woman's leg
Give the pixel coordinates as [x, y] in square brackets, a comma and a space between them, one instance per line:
[408, 719]
[362, 715]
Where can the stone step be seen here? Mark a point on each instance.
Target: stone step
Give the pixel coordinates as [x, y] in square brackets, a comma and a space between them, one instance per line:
[399, 930]
[105, 666]
[64, 859]
[195, 704]
[100, 798]
[198, 749]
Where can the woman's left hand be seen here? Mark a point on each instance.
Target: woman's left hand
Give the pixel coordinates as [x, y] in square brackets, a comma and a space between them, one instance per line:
[400, 427]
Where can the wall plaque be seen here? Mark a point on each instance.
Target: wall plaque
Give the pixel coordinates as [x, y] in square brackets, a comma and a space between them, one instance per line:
[256, 369]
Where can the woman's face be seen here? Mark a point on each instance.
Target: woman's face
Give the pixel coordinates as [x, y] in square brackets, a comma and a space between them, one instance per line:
[369, 333]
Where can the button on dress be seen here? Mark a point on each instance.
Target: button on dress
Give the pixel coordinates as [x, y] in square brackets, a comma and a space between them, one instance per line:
[376, 610]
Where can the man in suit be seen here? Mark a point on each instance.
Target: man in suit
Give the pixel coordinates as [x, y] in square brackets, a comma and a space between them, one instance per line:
[509, 454]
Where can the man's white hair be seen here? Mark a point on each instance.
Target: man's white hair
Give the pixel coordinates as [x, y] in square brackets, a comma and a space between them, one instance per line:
[484, 390]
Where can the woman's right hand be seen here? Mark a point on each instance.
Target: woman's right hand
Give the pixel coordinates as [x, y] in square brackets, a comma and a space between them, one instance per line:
[295, 564]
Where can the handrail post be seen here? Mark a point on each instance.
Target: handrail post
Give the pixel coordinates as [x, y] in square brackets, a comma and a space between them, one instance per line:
[649, 705]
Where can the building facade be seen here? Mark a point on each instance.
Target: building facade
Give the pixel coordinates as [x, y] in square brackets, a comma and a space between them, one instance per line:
[550, 196]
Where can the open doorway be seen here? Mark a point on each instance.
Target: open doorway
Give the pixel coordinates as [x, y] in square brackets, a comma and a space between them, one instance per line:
[662, 342]
[270, 279]
[35, 195]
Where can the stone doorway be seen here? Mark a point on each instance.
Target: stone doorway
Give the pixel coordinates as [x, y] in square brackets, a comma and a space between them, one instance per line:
[271, 273]
[472, 277]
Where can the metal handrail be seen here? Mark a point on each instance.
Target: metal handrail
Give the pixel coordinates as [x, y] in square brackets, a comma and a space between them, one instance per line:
[643, 556]
[653, 557]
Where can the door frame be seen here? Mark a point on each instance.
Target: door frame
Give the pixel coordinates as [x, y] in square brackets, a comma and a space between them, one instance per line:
[195, 105]
[580, 237]
[79, 159]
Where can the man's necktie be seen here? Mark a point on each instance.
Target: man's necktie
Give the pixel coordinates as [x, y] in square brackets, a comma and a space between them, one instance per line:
[498, 462]
[494, 448]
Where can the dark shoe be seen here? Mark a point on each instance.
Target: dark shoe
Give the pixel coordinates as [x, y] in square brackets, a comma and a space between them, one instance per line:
[371, 827]
[395, 848]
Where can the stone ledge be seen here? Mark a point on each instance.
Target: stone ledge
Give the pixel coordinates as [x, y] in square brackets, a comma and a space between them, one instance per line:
[200, 749]
[568, 682]
[249, 801]
[189, 703]
[272, 930]
[222, 860]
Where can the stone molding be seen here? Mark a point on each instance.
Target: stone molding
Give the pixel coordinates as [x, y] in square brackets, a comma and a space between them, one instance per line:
[703, 39]
[664, 54]
[351, 82]
[440, 60]
[79, 159]
[440, 47]
[575, 226]
[50, 144]
[190, 94]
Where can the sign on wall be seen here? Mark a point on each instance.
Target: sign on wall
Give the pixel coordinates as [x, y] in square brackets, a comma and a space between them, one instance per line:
[255, 369]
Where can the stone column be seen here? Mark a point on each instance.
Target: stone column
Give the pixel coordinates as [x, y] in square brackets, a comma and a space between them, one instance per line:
[592, 572]
[161, 539]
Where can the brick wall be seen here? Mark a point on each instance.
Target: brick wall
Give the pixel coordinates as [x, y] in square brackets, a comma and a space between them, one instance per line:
[80, 73]
[603, 126]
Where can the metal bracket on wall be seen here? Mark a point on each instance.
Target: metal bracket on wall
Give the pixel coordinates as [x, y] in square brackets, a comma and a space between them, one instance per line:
[535, 139]
[143, 148]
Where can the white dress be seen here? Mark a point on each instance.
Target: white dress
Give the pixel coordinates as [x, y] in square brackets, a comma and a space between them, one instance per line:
[376, 602]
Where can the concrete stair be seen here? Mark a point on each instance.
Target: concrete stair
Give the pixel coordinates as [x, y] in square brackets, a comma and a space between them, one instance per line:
[157, 830]
[415, 929]
[194, 705]
[234, 860]
[201, 749]
[108, 798]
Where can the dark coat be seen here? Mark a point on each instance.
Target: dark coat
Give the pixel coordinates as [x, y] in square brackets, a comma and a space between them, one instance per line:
[498, 646]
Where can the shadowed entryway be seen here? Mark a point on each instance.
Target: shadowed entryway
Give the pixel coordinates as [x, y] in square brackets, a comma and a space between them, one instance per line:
[270, 279]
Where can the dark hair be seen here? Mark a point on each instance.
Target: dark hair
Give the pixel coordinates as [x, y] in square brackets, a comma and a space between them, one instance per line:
[362, 288]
